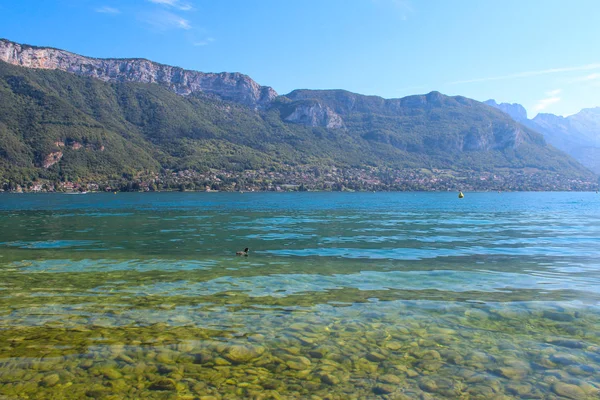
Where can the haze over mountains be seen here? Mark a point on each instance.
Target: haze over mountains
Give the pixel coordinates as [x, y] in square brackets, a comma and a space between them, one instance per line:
[68, 117]
[578, 135]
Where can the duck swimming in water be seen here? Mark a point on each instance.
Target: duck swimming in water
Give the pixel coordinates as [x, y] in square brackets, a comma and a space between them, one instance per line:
[243, 253]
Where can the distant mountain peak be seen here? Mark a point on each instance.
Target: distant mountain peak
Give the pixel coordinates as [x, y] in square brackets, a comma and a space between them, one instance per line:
[548, 117]
[515, 110]
[231, 86]
[595, 111]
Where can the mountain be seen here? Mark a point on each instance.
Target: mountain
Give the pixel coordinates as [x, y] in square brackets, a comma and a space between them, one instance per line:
[455, 131]
[577, 135]
[228, 86]
[516, 111]
[65, 117]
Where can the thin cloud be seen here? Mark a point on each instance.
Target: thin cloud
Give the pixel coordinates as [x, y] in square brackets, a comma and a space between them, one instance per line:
[587, 78]
[525, 74]
[551, 98]
[553, 93]
[178, 4]
[165, 20]
[204, 42]
[107, 10]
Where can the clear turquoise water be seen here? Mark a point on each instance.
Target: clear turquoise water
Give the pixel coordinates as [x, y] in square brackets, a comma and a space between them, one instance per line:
[346, 295]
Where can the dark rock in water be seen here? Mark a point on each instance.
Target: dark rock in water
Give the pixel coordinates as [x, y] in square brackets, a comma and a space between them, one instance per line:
[98, 393]
[383, 388]
[428, 385]
[203, 357]
[558, 316]
[316, 353]
[163, 384]
[329, 379]
[166, 369]
[375, 357]
[570, 343]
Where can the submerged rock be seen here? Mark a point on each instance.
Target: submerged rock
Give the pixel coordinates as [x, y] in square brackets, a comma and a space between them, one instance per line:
[317, 353]
[383, 388]
[298, 363]
[393, 345]
[519, 389]
[391, 379]
[567, 390]
[163, 384]
[430, 365]
[375, 356]
[329, 379]
[564, 359]
[428, 385]
[558, 316]
[569, 343]
[241, 354]
[50, 380]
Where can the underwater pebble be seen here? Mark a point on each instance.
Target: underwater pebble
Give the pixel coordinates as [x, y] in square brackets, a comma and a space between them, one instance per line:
[375, 356]
[564, 359]
[389, 378]
[329, 379]
[163, 384]
[512, 372]
[428, 385]
[242, 354]
[383, 388]
[50, 380]
[519, 389]
[558, 316]
[298, 363]
[569, 391]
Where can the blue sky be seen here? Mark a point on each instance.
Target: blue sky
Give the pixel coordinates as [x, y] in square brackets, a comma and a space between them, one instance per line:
[540, 53]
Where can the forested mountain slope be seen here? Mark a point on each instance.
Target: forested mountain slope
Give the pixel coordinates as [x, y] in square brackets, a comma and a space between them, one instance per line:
[58, 125]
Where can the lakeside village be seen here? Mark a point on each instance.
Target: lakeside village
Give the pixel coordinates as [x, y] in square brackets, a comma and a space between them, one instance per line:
[314, 179]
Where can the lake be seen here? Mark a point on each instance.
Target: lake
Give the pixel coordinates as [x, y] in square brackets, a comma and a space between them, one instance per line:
[342, 296]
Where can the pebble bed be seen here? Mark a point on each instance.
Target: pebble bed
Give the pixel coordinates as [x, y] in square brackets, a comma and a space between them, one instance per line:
[375, 349]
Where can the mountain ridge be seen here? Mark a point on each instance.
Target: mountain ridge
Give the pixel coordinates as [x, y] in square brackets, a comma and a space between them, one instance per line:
[62, 126]
[515, 110]
[227, 85]
[578, 135]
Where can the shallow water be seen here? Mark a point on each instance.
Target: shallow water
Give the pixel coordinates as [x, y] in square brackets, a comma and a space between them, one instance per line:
[344, 295]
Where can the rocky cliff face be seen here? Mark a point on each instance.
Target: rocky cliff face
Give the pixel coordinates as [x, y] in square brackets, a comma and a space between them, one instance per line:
[388, 121]
[313, 113]
[228, 86]
[492, 138]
